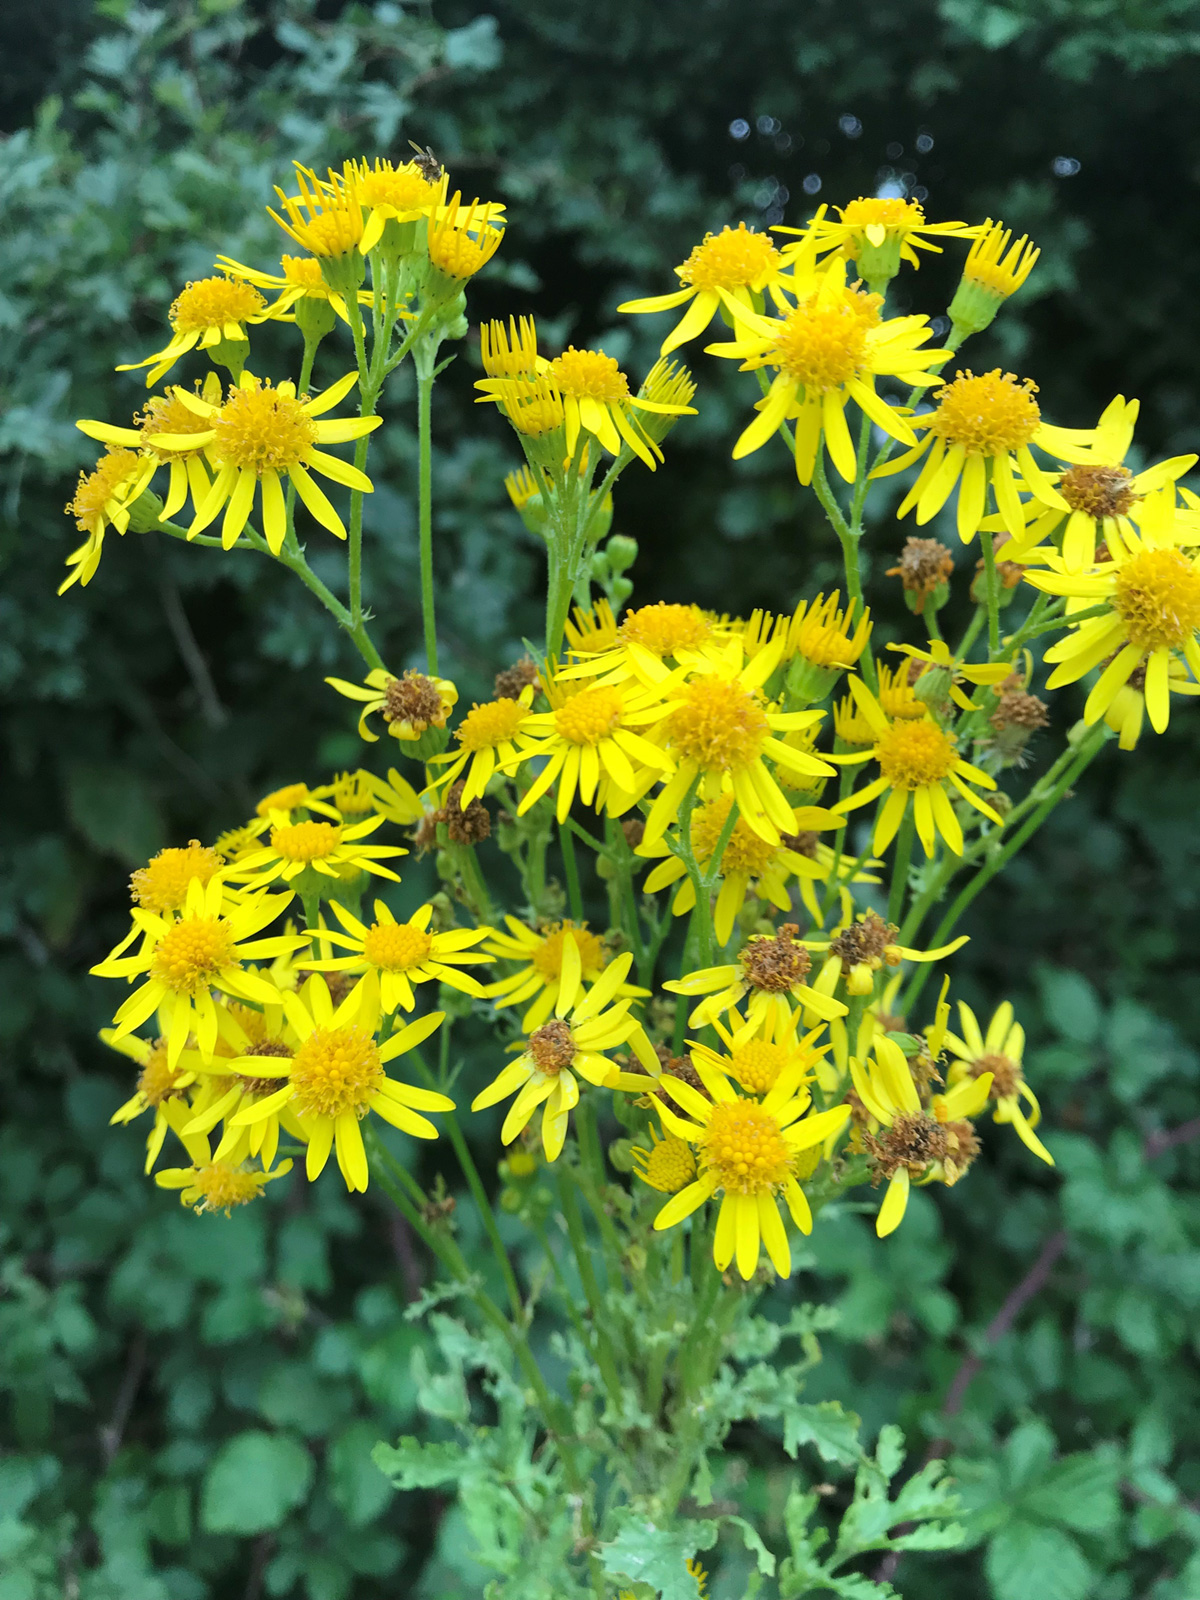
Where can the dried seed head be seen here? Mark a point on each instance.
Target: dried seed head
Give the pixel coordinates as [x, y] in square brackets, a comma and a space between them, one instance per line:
[775, 964]
[923, 565]
[512, 680]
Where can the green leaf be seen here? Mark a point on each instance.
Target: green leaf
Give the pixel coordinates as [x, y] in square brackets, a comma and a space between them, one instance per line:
[413, 1465]
[1070, 1003]
[763, 1559]
[1026, 1558]
[828, 1426]
[642, 1553]
[1079, 1492]
[256, 1479]
[358, 1487]
[115, 812]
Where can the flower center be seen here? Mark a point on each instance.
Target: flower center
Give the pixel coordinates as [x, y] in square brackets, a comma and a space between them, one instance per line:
[1158, 598]
[735, 258]
[457, 254]
[163, 884]
[894, 214]
[745, 1149]
[988, 415]
[211, 302]
[402, 188]
[922, 565]
[665, 629]
[158, 1081]
[168, 414]
[96, 489]
[303, 271]
[262, 430]
[396, 946]
[588, 717]
[914, 754]
[745, 851]
[1007, 1076]
[491, 724]
[775, 964]
[1099, 491]
[222, 1187]
[669, 1167]
[194, 952]
[414, 699]
[285, 799]
[306, 841]
[914, 1141]
[336, 1070]
[897, 689]
[590, 375]
[552, 1047]
[719, 725]
[264, 1047]
[864, 941]
[351, 793]
[757, 1064]
[821, 345]
[547, 959]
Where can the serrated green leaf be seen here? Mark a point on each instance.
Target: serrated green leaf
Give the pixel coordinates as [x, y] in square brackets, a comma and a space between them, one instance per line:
[1028, 1558]
[413, 1465]
[828, 1426]
[642, 1553]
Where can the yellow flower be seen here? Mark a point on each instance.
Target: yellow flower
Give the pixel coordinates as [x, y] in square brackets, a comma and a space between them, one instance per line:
[993, 273]
[592, 631]
[299, 278]
[939, 658]
[748, 1152]
[878, 232]
[549, 956]
[401, 953]
[336, 1076]
[390, 193]
[591, 744]
[863, 946]
[211, 311]
[184, 958]
[721, 732]
[917, 1144]
[667, 1166]
[1126, 714]
[647, 639]
[487, 742]
[235, 1078]
[261, 435]
[917, 758]
[726, 270]
[756, 1059]
[572, 1042]
[212, 1184]
[1152, 593]
[998, 1053]
[409, 705]
[331, 848]
[162, 885]
[749, 865]
[291, 797]
[462, 240]
[167, 414]
[827, 352]
[324, 218]
[159, 1084]
[981, 429]
[773, 971]
[104, 498]
[1096, 491]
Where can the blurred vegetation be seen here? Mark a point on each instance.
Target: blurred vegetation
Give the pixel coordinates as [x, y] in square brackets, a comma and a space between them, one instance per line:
[189, 1405]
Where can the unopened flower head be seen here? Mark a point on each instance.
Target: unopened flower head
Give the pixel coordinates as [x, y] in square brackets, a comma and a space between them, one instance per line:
[996, 268]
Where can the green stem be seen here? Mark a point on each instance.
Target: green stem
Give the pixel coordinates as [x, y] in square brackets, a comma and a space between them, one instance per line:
[849, 540]
[900, 866]
[425, 498]
[571, 868]
[992, 591]
[591, 1287]
[969, 637]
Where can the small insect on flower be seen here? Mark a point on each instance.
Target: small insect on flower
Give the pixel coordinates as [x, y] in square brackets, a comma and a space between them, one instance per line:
[259, 436]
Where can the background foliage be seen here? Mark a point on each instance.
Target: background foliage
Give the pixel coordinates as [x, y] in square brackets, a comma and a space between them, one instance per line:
[189, 1405]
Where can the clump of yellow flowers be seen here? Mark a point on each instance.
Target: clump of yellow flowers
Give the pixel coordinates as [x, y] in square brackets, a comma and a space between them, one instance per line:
[729, 997]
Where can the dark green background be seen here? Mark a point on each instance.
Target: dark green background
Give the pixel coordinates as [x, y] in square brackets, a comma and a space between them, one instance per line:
[152, 1359]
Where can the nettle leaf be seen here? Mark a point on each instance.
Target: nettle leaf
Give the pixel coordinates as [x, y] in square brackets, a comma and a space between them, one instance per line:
[828, 1426]
[256, 1479]
[1028, 1558]
[642, 1553]
[413, 1465]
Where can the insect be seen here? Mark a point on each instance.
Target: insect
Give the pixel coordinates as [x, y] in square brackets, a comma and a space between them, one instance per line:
[426, 163]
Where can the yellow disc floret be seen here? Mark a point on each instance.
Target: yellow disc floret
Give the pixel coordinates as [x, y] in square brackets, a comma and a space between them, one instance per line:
[912, 755]
[822, 344]
[744, 852]
[263, 429]
[336, 1070]
[220, 1186]
[306, 841]
[590, 375]
[548, 957]
[495, 722]
[987, 415]
[719, 725]
[1158, 598]
[886, 212]
[665, 629]
[669, 1166]
[735, 258]
[193, 952]
[744, 1148]
[303, 271]
[757, 1064]
[158, 1080]
[96, 489]
[396, 946]
[590, 716]
[285, 799]
[163, 884]
[213, 302]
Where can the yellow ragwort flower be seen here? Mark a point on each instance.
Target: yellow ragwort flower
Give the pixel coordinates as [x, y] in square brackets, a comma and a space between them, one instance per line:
[773, 971]
[401, 954]
[548, 956]
[409, 705]
[727, 270]
[208, 313]
[999, 1053]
